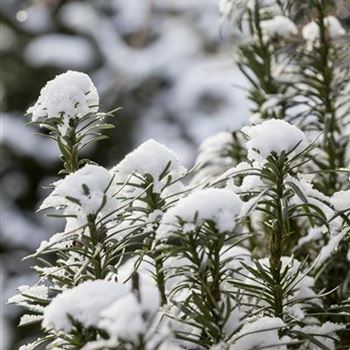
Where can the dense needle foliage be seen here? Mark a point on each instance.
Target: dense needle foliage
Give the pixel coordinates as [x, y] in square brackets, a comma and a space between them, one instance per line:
[248, 250]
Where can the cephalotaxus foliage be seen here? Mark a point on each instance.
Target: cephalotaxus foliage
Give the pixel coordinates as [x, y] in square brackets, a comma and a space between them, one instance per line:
[249, 250]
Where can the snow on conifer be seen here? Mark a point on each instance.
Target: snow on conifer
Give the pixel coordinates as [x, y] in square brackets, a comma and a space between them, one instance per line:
[273, 136]
[262, 333]
[126, 319]
[71, 94]
[218, 205]
[82, 303]
[153, 159]
[311, 31]
[280, 26]
[87, 191]
[341, 200]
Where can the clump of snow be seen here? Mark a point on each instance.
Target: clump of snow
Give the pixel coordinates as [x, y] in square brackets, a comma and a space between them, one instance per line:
[260, 333]
[272, 136]
[341, 200]
[83, 303]
[279, 26]
[150, 158]
[311, 31]
[82, 193]
[218, 205]
[68, 95]
[126, 319]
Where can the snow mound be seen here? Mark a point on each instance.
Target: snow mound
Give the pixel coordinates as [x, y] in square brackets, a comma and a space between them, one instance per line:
[311, 31]
[279, 26]
[71, 94]
[218, 205]
[273, 136]
[150, 158]
[83, 303]
[83, 192]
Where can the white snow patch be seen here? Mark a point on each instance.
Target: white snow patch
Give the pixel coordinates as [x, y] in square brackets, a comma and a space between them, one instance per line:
[218, 205]
[272, 136]
[90, 191]
[71, 94]
[260, 333]
[341, 200]
[279, 26]
[311, 31]
[150, 158]
[83, 303]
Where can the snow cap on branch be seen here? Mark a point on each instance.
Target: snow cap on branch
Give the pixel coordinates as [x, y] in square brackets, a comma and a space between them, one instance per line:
[279, 26]
[126, 318]
[83, 303]
[273, 136]
[218, 205]
[71, 94]
[150, 158]
[311, 31]
[83, 192]
[341, 200]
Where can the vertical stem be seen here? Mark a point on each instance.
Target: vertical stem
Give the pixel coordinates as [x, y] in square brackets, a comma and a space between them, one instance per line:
[160, 276]
[94, 235]
[276, 250]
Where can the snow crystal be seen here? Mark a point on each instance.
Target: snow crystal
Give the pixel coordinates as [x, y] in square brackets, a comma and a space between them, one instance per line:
[125, 318]
[260, 333]
[219, 205]
[71, 94]
[272, 136]
[150, 158]
[88, 186]
[311, 31]
[341, 200]
[279, 26]
[83, 303]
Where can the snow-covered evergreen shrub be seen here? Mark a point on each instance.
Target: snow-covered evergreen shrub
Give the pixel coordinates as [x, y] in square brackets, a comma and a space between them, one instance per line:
[244, 255]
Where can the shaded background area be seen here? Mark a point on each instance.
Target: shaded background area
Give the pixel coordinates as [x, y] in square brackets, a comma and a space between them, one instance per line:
[168, 63]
